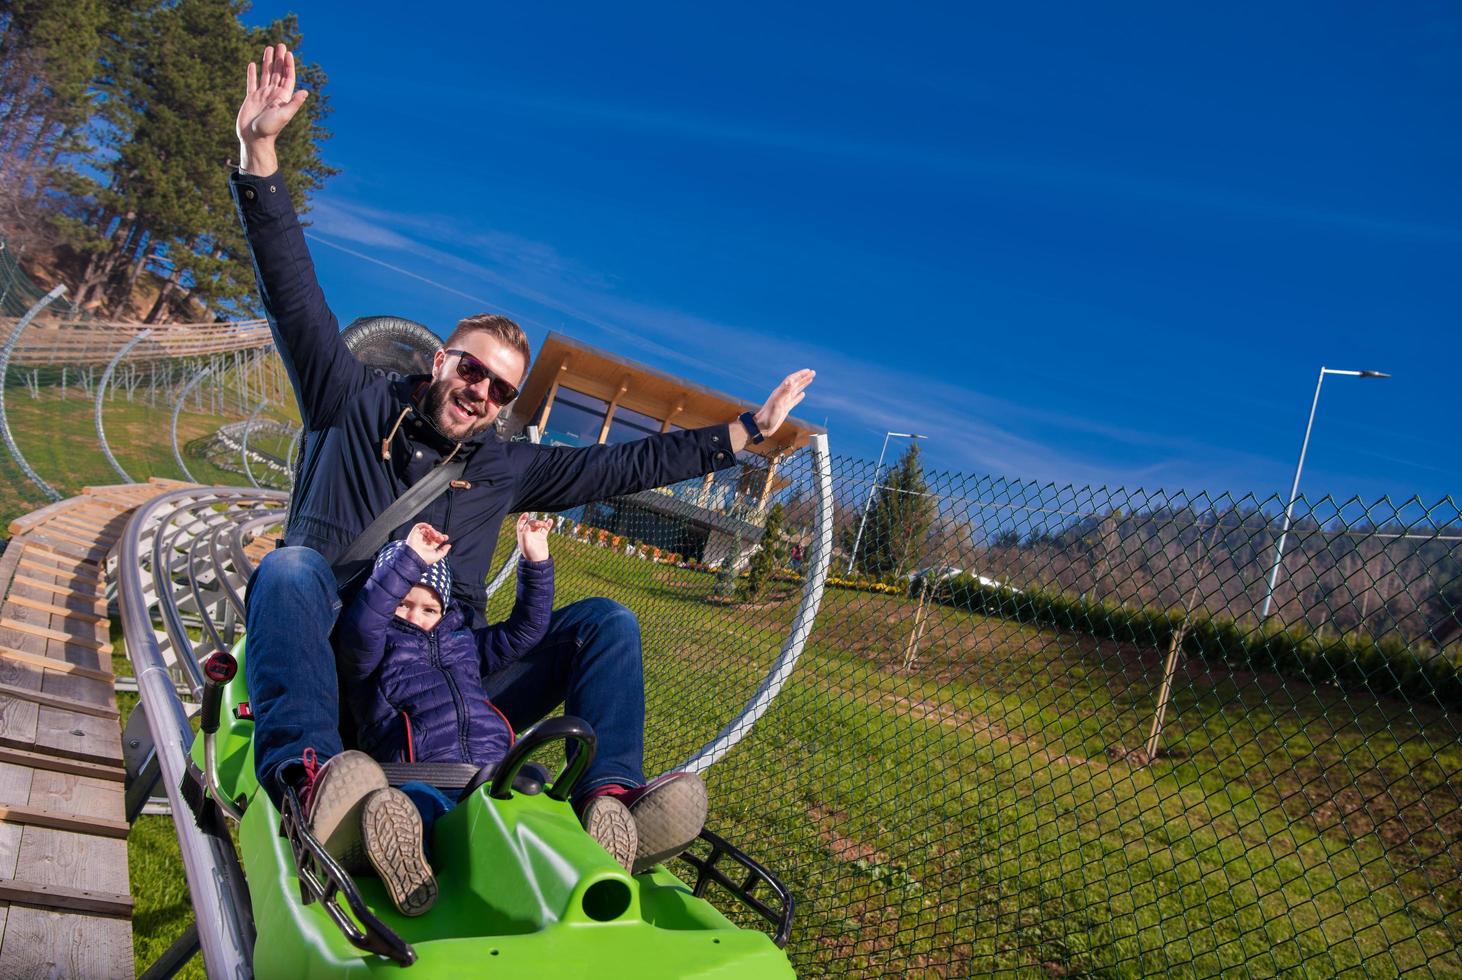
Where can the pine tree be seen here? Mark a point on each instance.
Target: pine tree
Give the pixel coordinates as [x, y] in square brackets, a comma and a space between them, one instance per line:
[154, 86]
[769, 556]
[899, 519]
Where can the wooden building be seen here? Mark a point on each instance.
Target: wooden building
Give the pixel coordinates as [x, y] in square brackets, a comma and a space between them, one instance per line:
[578, 395]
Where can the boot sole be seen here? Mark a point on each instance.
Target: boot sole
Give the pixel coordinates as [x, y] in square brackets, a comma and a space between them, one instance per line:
[335, 813]
[608, 821]
[391, 830]
[667, 819]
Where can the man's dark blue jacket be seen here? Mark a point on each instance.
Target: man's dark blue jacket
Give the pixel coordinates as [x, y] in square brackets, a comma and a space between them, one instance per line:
[348, 409]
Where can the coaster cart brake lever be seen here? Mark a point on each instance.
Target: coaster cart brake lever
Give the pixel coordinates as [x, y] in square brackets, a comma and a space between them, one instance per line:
[322, 878]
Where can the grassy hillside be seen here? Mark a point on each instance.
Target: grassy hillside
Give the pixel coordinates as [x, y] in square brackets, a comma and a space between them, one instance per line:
[971, 813]
[57, 436]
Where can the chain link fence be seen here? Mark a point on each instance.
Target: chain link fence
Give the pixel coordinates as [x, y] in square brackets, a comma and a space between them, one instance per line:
[1036, 730]
[1043, 730]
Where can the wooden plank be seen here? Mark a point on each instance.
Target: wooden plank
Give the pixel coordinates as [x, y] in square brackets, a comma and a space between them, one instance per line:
[83, 574]
[56, 701]
[87, 538]
[55, 857]
[18, 718]
[64, 612]
[60, 636]
[68, 899]
[89, 514]
[109, 523]
[9, 561]
[71, 767]
[61, 590]
[103, 754]
[21, 632]
[53, 564]
[50, 943]
[42, 542]
[39, 516]
[77, 736]
[15, 782]
[51, 663]
[82, 534]
[41, 817]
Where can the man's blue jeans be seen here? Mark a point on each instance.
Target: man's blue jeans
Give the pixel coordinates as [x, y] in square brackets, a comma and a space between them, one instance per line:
[589, 661]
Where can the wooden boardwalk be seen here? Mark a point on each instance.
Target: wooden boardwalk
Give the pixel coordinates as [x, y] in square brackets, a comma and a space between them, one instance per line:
[65, 907]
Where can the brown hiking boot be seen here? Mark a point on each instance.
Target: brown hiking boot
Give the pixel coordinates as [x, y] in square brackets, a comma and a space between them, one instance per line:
[333, 796]
[668, 813]
[607, 820]
[391, 828]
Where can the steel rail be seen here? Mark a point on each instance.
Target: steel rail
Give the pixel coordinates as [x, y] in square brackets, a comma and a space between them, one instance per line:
[216, 884]
[818, 561]
[177, 410]
[101, 391]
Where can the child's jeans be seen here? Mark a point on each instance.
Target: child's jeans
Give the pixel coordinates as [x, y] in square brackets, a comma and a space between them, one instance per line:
[431, 803]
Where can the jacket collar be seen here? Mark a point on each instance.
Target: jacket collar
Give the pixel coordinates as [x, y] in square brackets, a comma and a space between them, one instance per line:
[408, 390]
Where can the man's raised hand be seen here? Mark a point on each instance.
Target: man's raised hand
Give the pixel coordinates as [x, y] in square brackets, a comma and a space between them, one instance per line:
[270, 102]
[778, 406]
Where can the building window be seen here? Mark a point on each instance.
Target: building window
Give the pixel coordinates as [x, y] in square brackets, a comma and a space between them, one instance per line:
[574, 419]
[629, 425]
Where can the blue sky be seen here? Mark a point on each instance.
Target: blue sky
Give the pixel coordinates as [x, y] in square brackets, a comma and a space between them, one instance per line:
[1084, 243]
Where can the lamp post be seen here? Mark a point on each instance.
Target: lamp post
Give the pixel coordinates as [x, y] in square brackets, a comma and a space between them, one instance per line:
[1295, 489]
[877, 469]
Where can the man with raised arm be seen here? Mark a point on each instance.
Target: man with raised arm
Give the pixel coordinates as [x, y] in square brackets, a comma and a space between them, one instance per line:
[369, 437]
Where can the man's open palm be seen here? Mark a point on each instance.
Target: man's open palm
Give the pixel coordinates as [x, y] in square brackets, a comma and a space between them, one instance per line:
[271, 100]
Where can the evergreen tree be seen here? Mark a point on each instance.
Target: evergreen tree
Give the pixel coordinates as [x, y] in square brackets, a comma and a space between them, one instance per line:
[148, 197]
[899, 519]
[769, 556]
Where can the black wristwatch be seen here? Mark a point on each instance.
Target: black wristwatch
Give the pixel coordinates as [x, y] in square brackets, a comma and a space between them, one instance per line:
[748, 421]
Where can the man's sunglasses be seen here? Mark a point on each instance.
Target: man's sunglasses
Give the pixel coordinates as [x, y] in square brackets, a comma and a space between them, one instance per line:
[473, 371]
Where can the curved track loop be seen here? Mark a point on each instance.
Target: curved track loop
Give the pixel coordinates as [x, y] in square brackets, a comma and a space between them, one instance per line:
[182, 565]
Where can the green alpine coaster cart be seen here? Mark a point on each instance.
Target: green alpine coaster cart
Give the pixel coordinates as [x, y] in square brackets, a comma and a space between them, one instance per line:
[522, 888]
[524, 891]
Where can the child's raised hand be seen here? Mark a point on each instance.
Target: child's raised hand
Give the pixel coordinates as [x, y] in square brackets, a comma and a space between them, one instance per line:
[533, 537]
[429, 544]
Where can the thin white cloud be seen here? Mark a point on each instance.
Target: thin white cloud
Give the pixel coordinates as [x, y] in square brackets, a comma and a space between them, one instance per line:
[972, 430]
[835, 146]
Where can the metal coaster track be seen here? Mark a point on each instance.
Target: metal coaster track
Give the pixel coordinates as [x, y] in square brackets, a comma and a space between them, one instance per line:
[182, 567]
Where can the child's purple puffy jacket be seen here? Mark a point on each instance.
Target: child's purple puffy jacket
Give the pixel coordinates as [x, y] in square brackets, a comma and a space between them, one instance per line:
[418, 696]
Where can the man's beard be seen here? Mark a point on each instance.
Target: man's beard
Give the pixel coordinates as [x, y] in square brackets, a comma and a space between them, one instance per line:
[436, 411]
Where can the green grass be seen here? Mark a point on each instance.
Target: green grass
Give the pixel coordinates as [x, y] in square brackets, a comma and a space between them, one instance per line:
[964, 817]
[58, 438]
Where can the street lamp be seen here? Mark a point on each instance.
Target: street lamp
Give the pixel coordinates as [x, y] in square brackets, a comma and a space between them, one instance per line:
[1294, 490]
[877, 469]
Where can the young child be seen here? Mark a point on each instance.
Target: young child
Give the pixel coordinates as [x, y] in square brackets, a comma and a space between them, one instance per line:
[412, 671]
